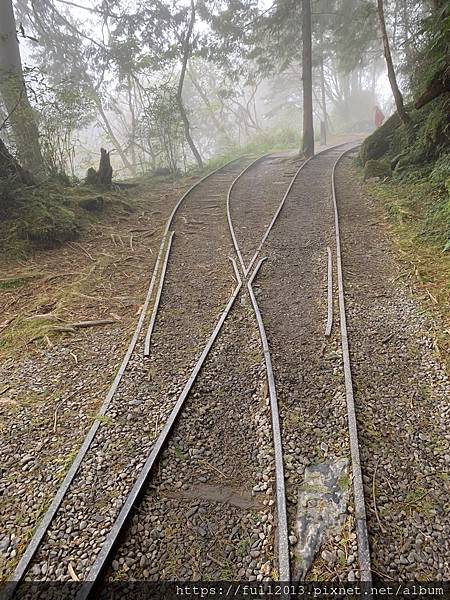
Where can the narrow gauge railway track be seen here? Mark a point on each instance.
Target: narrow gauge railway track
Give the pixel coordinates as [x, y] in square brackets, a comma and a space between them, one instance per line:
[46, 522]
[283, 554]
[165, 247]
[318, 234]
[204, 198]
[401, 398]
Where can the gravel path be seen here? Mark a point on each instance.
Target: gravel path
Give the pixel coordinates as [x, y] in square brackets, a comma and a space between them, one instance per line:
[402, 397]
[208, 514]
[150, 387]
[307, 366]
[51, 391]
[256, 197]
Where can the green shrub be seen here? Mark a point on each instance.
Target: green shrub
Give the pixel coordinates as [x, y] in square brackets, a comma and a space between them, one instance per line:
[440, 174]
[48, 224]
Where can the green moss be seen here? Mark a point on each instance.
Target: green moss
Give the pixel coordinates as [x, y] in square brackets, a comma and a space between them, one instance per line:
[440, 174]
[47, 224]
[378, 144]
[12, 283]
[414, 149]
[51, 213]
[377, 168]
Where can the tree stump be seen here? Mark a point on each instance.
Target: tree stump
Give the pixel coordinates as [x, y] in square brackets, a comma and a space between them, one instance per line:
[102, 177]
[105, 169]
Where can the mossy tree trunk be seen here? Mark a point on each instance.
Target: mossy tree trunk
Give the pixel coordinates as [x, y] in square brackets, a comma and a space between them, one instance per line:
[11, 169]
[14, 94]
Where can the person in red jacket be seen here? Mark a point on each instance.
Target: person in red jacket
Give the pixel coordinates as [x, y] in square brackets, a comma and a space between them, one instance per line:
[379, 117]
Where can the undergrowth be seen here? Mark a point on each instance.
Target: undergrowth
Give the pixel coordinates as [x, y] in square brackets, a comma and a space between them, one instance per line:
[262, 143]
[46, 215]
[420, 216]
[416, 197]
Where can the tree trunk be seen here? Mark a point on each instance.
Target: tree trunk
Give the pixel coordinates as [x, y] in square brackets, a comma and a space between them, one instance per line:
[10, 168]
[390, 67]
[14, 94]
[184, 117]
[114, 140]
[440, 84]
[323, 132]
[130, 89]
[308, 125]
[105, 170]
[193, 77]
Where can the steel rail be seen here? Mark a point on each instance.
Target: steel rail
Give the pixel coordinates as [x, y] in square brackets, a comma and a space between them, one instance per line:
[108, 545]
[44, 524]
[329, 324]
[358, 487]
[282, 524]
[230, 222]
[283, 539]
[49, 515]
[283, 200]
[158, 297]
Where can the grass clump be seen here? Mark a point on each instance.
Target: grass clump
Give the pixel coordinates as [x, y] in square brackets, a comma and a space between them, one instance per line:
[47, 223]
[420, 215]
[48, 214]
[417, 201]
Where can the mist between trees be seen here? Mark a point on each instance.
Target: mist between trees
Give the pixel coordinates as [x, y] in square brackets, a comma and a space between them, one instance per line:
[169, 84]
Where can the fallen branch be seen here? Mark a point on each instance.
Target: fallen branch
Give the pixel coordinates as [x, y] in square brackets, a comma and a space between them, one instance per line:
[92, 323]
[72, 327]
[82, 249]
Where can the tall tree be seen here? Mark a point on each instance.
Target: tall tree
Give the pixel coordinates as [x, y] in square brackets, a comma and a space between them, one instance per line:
[308, 125]
[390, 67]
[14, 93]
[186, 53]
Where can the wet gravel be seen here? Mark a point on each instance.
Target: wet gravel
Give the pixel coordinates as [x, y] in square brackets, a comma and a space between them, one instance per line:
[402, 397]
[149, 387]
[209, 513]
[307, 366]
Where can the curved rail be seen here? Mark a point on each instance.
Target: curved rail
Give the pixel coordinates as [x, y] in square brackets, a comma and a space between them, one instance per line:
[283, 200]
[358, 488]
[283, 539]
[158, 297]
[108, 545]
[44, 524]
[230, 222]
[49, 515]
[282, 524]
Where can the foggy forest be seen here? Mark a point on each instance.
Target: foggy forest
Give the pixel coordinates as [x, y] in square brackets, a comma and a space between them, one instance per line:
[224, 297]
